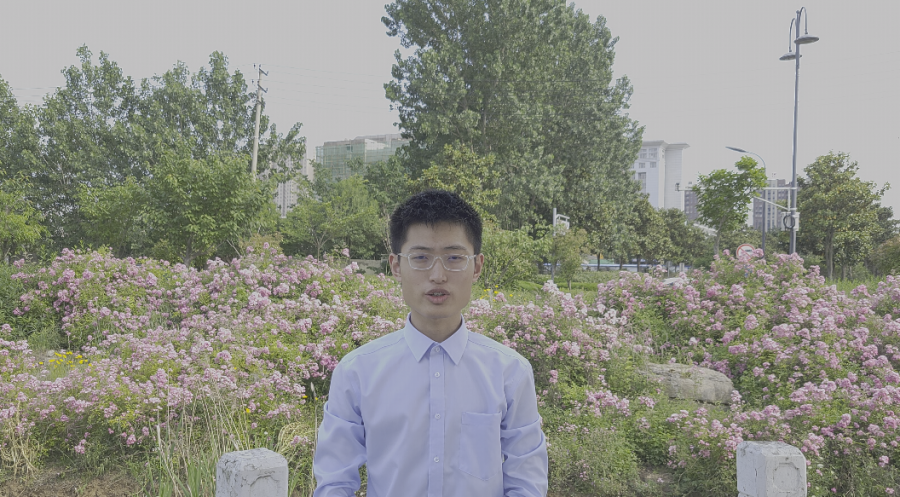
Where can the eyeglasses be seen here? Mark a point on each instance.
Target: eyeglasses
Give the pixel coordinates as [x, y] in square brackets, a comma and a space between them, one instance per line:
[451, 262]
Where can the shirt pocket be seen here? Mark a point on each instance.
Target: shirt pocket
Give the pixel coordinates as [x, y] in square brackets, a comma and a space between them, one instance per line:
[479, 445]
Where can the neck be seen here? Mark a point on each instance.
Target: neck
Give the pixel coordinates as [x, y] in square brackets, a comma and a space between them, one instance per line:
[438, 331]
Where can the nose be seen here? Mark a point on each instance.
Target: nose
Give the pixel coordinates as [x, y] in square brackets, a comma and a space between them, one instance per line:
[438, 272]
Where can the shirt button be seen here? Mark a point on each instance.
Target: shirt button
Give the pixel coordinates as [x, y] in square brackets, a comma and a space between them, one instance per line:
[436, 350]
[437, 375]
[437, 459]
[437, 416]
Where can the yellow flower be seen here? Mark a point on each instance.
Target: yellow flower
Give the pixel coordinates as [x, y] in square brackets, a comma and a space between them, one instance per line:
[42, 362]
[247, 409]
[78, 356]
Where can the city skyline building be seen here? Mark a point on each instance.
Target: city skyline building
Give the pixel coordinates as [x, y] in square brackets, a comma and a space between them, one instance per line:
[691, 202]
[286, 192]
[658, 169]
[335, 156]
[773, 216]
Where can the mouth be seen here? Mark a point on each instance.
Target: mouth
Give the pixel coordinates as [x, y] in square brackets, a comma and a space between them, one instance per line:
[437, 296]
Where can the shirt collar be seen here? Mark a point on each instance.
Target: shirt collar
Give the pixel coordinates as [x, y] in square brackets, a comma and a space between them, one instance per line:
[419, 344]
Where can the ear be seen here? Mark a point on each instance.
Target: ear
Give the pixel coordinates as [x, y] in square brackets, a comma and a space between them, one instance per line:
[479, 265]
[394, 262]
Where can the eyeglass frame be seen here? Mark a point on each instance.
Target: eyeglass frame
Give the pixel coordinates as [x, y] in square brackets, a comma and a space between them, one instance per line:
[436, 257]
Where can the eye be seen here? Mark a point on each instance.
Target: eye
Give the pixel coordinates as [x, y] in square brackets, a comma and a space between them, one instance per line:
[455, 258]
[419, 257]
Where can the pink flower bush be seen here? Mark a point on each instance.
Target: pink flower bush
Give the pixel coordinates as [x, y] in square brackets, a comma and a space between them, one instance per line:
[813, 367]
[146, 341]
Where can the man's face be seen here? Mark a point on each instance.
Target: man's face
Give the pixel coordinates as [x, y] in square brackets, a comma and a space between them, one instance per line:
[436, 296]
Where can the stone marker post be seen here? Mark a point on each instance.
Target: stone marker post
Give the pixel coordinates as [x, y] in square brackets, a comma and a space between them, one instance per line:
[252, 473]
[770, 469]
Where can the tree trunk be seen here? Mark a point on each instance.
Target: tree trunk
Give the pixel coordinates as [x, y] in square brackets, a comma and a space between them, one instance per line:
[829, 257]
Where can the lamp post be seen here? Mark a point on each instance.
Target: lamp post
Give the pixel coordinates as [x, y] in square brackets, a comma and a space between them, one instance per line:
[765, 207]
[800, 40]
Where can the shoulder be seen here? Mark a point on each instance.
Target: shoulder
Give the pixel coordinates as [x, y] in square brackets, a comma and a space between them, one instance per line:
[497, 351]
[376, 347]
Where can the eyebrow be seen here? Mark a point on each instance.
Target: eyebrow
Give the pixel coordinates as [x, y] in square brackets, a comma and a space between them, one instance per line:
[429, 249]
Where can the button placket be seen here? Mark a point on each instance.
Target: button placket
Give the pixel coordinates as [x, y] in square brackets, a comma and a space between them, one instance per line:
[436, 424]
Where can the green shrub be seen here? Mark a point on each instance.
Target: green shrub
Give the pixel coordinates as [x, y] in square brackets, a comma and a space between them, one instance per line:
[593, 458]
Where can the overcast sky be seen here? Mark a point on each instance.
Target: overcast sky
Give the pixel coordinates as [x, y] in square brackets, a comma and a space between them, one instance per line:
[705, 72]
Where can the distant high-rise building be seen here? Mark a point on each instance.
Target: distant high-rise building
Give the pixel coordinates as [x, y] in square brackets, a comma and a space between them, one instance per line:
[286, 192]
[336, 155]
[690, 205]
[773, 215]
[658, 169]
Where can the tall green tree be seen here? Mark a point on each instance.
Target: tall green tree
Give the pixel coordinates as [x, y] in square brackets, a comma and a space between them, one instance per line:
[689, 242]
[465, 173]
[886, 257]
[566, 246]
[724, 196]
[652, 236]
[389, 184]
[528, 81]
[18, 135]
[356, 218]
[347, 216]
[20, 222]
[116, 216]
[838, 210]
[510, 255]
[88, 138]
[617, 240]
[100, 129]
[197, 205]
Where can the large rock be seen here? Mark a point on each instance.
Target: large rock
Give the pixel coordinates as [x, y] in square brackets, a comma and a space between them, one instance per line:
[252, 473]
[692, 382]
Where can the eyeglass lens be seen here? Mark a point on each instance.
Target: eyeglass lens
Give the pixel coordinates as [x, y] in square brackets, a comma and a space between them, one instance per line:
[452, 262]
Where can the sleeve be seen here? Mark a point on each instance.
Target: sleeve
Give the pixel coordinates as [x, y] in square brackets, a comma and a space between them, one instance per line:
[522, 441]
[341, 444]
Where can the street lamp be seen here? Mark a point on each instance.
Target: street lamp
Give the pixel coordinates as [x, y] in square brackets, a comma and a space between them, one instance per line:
[765, 207]
[800, 40]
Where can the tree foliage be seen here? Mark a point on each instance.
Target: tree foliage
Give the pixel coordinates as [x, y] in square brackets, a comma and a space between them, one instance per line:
[20, 222]
[652, 242]
[463, 172]
[101, 131]
[511, 255]
[196, 205]
[566, 247]
[690, 244]
[839, 211]
[116, 216]
[886, 256]
[724, 196]
[347, 216]
[527, 81]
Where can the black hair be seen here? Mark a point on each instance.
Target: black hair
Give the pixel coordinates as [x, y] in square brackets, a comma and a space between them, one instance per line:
[430, 208]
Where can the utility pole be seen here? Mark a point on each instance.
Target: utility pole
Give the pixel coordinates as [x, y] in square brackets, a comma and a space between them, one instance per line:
[259, 90]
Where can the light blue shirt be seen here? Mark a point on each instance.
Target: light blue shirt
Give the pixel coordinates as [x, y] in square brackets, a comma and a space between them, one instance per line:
[451, 419]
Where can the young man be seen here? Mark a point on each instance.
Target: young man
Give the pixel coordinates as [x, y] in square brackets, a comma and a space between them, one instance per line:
[433, 409]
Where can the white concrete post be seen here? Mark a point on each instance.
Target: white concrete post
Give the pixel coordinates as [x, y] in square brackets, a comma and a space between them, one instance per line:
[770, 469]
[252, 473]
